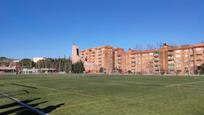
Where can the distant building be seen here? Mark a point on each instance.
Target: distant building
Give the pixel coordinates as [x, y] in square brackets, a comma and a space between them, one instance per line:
[29, 71]
[164, 60]
[100, 57]
[119, 60]
[75, 54]
[38, 71]
[10, 66]
[36, 59]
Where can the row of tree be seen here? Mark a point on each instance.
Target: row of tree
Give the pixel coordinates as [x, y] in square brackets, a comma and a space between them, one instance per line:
[60, 64]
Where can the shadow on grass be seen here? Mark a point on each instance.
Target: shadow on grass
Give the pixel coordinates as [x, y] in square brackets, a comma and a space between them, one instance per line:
[14, 93]
[13, 108]
[16, 104]
[46, 110]
[26, 86]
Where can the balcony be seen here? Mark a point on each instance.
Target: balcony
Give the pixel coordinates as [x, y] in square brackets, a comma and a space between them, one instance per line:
[197, 54]
[156, 61]
[199, 60]
[157, 70]
[156, 65]
[156, 56]
[170, 68]
[100, 52]
[170, 65]
[119, 62]
[170, 53]
[171, 62]
[132, 65]
[170, 59]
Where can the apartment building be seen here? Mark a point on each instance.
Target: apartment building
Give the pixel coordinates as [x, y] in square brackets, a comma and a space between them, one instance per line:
[119, 60]
[143, 62]
[99, 57]
[165, 60]
[185, 59]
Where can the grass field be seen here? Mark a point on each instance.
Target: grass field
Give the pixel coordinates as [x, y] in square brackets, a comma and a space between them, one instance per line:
[104, 95]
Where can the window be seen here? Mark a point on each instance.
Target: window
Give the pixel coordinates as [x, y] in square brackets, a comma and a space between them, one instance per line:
[77, 51]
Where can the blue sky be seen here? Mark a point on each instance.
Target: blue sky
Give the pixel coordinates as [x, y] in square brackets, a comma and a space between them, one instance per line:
[48, 28]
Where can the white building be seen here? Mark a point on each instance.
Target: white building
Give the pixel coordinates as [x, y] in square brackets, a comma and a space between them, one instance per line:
[36, 59]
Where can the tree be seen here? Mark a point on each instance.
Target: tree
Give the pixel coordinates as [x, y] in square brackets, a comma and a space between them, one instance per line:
[68, 66]
[129, 71]
[158, 45]
[201, 69]
[27, 63]
[60, 64]
[78, 67]
[137, 47]
[102, 70]
[5, 59]
[149, 47]
[118, 70]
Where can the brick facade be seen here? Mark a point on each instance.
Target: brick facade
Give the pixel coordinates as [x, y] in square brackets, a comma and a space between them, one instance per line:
[165, 60]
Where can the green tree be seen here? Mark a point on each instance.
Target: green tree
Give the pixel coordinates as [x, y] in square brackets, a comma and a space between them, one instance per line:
[201, 69]
[60, 64]
[78, 67]
[68, 65]
[102, 70]
[27, 63]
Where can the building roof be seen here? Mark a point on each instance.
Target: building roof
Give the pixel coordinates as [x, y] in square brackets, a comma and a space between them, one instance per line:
[95, 48]
[186, 47]
[8, 68]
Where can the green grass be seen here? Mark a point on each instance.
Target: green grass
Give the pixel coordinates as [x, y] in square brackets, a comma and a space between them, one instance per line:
[106, 95]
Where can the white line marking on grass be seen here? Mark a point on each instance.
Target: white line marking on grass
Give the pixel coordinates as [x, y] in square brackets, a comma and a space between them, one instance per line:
[23, 104]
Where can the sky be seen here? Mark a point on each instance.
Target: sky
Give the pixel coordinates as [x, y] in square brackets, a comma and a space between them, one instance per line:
[48, 28]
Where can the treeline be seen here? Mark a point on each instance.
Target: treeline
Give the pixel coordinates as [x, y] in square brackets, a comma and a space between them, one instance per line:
[60, 64]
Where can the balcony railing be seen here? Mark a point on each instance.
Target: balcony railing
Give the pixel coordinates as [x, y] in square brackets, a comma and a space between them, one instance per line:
[170, 59]
[156, 61]
[170, 53]
[199, 59]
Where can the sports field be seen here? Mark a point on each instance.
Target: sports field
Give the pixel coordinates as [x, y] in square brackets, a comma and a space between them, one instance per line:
[104, 95]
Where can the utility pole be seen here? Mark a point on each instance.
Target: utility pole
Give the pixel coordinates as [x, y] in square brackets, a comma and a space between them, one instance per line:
[65, 64]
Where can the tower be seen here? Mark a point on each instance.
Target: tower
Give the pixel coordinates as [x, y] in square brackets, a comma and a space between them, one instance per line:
[75, 53]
